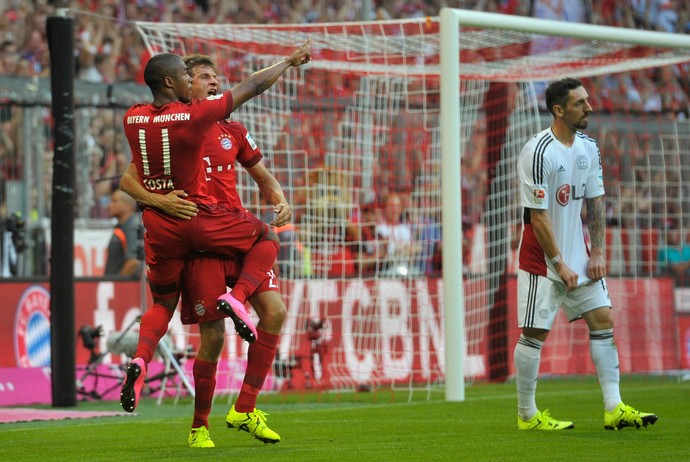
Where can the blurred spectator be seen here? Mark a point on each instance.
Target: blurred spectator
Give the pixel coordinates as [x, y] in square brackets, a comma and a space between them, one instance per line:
[674, 99]
[426, 235]
[623, 93]
[88, 70]
[361, 237]
[649, 96]
[398, 249]
[674, 256]
[108, 163]
[7, 150]
[34, 52]
[132, 57]
[612, 13]
[123, 250]
[683, 23]
[666, 18]
[562, 11]
[659, 15]
[12, 242]
[641, 10]
[9, 57]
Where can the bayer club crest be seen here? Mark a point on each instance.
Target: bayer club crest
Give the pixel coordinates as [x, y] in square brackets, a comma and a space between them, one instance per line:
[32, 328]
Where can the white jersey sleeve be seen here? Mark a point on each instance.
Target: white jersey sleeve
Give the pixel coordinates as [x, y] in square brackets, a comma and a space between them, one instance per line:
[534, 171]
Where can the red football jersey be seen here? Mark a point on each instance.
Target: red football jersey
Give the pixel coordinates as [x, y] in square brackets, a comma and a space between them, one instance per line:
[167, 143]
[225, 143]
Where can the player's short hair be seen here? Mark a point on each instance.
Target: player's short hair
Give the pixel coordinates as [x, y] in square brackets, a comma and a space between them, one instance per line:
[558, 92]
[158, 68]
[195, 60]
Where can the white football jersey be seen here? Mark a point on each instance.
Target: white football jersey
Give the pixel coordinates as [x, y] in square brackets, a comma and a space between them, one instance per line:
[557, 178]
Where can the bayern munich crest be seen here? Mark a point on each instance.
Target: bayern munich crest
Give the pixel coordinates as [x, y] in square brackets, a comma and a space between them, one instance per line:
[199, 308]
[32, 328]
[225, 143]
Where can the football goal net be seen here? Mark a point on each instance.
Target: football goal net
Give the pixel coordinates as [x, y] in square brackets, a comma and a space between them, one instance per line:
[396, 146]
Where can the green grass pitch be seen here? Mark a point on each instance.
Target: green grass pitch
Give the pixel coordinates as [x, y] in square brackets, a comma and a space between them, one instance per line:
[377, 426]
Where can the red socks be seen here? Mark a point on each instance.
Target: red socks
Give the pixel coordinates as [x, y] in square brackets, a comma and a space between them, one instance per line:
[259, 361]
[204, 386]
[257, 262]
[154, 325]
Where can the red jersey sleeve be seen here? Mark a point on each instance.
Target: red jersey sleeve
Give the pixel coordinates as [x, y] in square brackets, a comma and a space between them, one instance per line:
[206, 112]
[248, 153]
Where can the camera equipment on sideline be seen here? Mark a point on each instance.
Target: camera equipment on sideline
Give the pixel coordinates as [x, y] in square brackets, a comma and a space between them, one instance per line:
[12, 243]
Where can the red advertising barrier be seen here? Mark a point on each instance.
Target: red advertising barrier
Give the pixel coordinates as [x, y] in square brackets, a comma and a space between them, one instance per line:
[25, 317]
[684, 340]
[363, 332]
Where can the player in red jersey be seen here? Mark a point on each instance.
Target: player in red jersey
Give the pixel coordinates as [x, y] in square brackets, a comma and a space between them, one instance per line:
[206, 275]
[165, 140]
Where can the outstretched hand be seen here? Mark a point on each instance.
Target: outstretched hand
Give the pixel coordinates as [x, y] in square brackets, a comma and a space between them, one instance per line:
[302, 55]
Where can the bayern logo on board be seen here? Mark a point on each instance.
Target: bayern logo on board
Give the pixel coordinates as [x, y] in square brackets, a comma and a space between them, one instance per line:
[32, 328]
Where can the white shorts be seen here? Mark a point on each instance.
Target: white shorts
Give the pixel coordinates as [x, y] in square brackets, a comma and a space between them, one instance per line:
[540, 297]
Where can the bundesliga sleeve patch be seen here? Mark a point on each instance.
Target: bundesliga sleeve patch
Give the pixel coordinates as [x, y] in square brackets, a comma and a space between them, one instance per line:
[538, 195]
[250, 141]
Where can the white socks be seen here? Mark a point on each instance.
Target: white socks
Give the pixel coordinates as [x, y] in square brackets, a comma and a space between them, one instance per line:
[604, 355]
[526, 358]
[605, 358]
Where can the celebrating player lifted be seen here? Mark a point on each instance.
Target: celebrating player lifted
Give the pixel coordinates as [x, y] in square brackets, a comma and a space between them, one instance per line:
[166, 140]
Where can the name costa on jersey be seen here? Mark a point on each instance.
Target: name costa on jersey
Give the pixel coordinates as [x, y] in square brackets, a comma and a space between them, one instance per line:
[158, 184]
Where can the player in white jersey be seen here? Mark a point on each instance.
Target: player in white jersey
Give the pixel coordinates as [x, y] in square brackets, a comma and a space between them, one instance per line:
[559, 169]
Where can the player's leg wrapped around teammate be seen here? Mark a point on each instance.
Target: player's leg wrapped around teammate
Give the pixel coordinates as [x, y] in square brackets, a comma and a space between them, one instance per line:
[133, 384]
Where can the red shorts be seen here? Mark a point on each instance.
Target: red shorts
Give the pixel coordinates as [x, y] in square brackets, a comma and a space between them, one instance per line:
[216, 228]
[206, 277]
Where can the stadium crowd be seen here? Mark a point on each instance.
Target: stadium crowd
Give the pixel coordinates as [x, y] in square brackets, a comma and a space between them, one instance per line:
[117, 54]
[107, 55]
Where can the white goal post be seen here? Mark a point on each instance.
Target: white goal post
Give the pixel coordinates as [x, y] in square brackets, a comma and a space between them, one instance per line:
[451, 39]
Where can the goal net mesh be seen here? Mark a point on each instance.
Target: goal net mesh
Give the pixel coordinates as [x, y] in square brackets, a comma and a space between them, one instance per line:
[358, 128]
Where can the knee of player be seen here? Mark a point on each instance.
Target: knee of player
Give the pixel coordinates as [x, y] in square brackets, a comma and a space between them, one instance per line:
[601, 318]
[212, 335]
[169, 301]
[278, 312]
[214, 343]
[273, 313]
